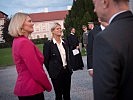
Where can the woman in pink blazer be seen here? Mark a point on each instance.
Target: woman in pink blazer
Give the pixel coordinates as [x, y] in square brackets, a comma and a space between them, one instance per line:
[32, 79]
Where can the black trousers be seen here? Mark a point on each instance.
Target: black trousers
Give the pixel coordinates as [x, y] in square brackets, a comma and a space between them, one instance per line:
[62, 85]
[39, 96]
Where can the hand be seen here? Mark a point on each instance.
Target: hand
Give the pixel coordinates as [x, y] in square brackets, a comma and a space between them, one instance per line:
[77, 47]
[91, 72]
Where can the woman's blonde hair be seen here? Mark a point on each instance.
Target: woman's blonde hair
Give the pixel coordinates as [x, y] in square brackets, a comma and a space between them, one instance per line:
[16, 23]
[54, 26]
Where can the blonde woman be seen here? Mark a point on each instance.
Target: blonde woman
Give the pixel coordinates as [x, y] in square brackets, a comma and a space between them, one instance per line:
[57, 63]
[31, 80]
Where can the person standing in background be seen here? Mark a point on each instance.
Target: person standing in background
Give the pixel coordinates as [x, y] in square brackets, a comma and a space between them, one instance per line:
[91, 37]
[32, 79]
[55, 52]
[113, 52]
[90, 25]
[85, 37]
[75, 58]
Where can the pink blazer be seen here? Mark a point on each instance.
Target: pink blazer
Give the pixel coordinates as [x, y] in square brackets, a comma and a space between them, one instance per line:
[32, 78]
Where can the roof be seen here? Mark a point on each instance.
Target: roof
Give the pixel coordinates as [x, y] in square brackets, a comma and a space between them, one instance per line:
[48, 16]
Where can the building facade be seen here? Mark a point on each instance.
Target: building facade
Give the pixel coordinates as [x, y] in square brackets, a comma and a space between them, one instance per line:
[43, 22]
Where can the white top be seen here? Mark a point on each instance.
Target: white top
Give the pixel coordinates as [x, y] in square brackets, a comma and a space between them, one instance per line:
[102, 27]
[72, 33]
[62, 51]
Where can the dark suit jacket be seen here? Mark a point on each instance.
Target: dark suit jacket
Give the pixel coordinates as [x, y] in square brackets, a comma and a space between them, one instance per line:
[91, 36]
[113, 60]
[76, 61]
[73, 41]
[52, 58]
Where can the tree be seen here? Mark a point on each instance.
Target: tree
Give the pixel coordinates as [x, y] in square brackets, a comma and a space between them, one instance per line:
[8, 39]
[81, 13]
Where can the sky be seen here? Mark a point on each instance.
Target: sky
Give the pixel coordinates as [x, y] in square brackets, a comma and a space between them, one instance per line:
[10, 7]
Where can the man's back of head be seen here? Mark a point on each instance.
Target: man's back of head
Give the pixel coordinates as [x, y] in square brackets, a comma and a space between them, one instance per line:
[105, 9]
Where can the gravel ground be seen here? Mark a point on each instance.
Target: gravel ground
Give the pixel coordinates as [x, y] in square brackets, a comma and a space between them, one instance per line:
[81, 88]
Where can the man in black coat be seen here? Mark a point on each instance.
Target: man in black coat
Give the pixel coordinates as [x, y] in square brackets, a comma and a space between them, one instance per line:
[113, 52]
[76, 61]
[91, 37]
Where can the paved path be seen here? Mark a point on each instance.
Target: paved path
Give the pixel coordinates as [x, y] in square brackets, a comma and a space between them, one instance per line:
[81, 88]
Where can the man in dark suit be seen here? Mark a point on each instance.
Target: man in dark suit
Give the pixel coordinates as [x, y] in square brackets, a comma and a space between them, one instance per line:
[113, 52]
[76, 61]
[91, 37]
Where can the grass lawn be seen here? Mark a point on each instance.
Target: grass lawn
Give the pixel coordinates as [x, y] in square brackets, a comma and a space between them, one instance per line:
[6, 55]
[40, 46]
[83, 52]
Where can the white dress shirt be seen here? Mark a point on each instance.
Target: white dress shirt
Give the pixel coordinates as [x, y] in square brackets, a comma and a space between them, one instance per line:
[62, 51]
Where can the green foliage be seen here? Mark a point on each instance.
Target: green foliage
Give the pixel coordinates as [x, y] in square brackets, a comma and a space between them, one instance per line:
[8, 39]
[80, 14]
[83, 52]
[5, 45]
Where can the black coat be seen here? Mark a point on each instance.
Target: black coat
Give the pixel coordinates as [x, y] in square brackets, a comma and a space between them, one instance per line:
[75, 60]
[91, 36]
[52, 58]
[113, 60]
